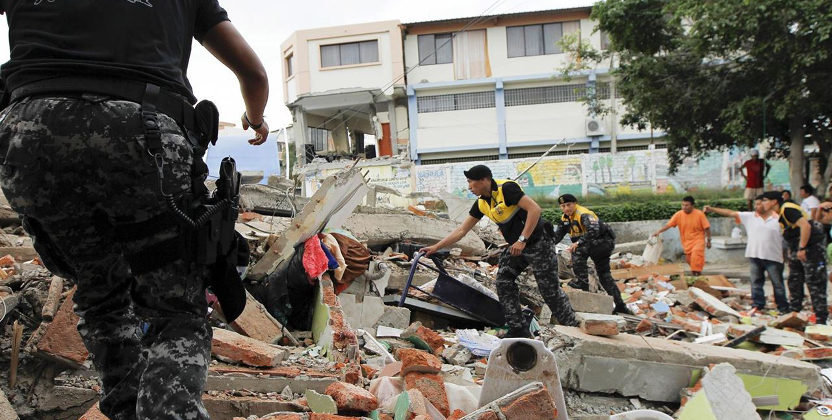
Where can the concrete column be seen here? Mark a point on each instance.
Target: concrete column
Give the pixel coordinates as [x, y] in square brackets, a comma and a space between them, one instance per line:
[300, 135]
[339, 138]
[394, 127]
[500, 102]
[413, 120]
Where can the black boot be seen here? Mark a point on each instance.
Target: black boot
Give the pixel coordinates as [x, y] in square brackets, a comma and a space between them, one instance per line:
[522, 332]
[622, 309]
[576, 284]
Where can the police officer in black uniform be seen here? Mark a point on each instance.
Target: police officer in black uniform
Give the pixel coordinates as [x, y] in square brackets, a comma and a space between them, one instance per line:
[99, 137]
[591, 238]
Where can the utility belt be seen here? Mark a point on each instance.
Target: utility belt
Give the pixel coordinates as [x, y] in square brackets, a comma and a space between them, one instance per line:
[206, 220]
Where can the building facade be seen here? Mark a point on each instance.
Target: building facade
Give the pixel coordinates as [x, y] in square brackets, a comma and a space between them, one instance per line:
[469, 89]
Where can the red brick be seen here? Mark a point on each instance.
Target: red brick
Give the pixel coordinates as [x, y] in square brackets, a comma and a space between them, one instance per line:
[284, 416]
[457, 414]
[94, 413]
[351, 398]
[790, 320]
[61, 338]
[644, 326]
[352, 373]
[489, 415]
[239, 348]
[249, 216]
[434, 340]
[817, 353]
[414, 360]
[599, 327]
[537, 404]
[391, 369]
[368, 371]
[384, 416]
[432, 387]
[7, 261]
[328, 292]
[255, 322]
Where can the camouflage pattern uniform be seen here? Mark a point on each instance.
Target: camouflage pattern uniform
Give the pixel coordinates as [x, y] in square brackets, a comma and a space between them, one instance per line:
[597, 242]
[76, 169]
[812, 273]
[540, 255]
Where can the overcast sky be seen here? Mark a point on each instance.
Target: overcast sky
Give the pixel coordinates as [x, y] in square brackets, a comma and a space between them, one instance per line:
[267, 23]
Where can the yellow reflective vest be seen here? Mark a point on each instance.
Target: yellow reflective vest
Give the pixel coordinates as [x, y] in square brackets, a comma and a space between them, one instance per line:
[576, 226]
[495, 207]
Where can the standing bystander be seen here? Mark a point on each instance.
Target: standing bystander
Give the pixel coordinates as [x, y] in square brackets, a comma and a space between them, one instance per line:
[695, 232]
[764, 251]
[755, 171]
[809, 203]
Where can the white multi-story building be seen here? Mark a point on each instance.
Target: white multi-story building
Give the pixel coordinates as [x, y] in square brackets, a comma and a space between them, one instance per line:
[471, 88]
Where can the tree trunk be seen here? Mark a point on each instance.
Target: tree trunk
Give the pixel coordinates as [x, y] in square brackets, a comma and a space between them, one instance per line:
[827, 174]
[797, 133]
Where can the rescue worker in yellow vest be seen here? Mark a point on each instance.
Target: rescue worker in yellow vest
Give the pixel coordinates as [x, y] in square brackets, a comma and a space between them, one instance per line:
[518, 218]
[591, 238]
[807, 257]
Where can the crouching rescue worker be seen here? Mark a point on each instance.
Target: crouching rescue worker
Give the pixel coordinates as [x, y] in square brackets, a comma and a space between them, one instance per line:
[807, 254]
[101, 151]
[591, 238]
[518, 217]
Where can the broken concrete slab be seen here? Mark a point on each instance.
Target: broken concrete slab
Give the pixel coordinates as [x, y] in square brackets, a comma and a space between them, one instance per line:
[819, 332]
[386, 229]
[262, 384]
[711, 304]
[770, 336]
[518, 362]
[532, 401]
[228, 407]
[235, 347]
[320, 403]
[574, 349]
[722, 397]
[648, 380]
[6, 409]
[61, 341]
[595, 303]
[330, 206]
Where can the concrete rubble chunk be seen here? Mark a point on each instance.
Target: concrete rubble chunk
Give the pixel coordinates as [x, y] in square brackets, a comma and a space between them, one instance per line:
[257, 323]
[422, 335]
[320, 403]
[771, 336]
[518, 362]
[595, 303]
[349, 397]
[711, 304]
[599, 324]
[457, 355]
[531, 401]
[432, 387]
[385, 229]
[585, 363]
[7, 411]
[722, 397]
[238, 348]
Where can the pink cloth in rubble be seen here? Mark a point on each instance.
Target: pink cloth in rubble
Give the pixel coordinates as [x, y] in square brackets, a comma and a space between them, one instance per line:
[315, 261]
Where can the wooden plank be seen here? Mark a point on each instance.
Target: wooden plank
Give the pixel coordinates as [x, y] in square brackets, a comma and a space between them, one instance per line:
[634, 272]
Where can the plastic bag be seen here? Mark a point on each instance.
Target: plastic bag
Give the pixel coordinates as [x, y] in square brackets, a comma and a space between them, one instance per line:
[653, 251]
[736, 232]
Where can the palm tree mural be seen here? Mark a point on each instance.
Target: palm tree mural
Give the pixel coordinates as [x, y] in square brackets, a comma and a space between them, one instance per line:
[631, 162]
[595, 168]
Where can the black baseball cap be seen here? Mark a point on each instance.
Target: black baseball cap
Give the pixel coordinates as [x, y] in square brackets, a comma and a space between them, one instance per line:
[774, 195]
[567, 198]
[478, 172]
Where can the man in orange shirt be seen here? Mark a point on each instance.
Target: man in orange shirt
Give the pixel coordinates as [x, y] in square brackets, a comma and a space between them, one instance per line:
[695, 232]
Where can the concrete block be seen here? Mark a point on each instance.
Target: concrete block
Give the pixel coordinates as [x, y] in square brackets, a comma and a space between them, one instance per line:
[771, 336]
[632, 378]
[722, 397]
[573, 349]
[349, 397]
[595, 303]
[518, 362]
[227, 407]
[7, 410]
[711, 304]
[457, 355]
[791, 320]
[61, 341]
[393, 317]
[257, 323]
[239, 348]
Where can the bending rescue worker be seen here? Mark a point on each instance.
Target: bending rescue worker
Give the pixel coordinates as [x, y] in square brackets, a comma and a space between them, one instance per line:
[591, 238]
[518, 217]
[100, 141]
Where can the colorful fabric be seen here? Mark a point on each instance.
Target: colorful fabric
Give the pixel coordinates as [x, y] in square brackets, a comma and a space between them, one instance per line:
[332, 245]
[754, 172]
[315, 262]
[692, 233]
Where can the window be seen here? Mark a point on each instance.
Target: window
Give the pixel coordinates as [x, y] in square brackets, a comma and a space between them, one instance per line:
[436, 49]
[350, 53]
[542, 39]
[289, 66]
[553, 94]
[319, 137]
[455, 102]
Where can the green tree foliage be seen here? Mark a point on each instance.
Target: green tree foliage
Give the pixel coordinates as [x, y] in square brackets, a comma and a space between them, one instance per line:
[706, 72]
[634, 211]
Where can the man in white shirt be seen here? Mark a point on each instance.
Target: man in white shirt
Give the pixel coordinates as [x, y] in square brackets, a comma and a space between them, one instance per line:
[764, 251]
[809, 202]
